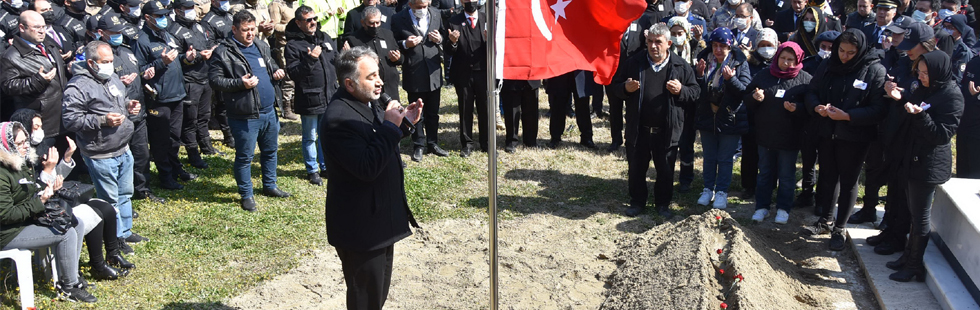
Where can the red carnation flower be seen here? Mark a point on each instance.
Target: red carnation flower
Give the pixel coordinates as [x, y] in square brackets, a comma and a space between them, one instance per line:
[724, 306]
[719, 251]
[722, 271]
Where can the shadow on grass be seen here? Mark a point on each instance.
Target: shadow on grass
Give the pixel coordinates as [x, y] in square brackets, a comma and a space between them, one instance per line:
[196, 306]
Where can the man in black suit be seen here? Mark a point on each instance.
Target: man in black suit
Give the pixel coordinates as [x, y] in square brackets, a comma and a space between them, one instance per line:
[631, 44]
[355, 16]
[785, 23]
[468, 72]
[768, 9]
[380, 40]
[520, 99]
[366, 208]
[419, 31]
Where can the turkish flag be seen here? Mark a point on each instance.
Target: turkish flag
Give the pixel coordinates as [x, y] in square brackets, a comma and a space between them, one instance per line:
[540, 39]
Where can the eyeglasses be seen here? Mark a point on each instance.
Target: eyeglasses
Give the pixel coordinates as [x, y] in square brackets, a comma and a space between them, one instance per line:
[37, 28]
[21, 143]
[310, 20]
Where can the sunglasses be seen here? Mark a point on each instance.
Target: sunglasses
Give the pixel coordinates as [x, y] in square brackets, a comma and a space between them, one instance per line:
[310, 20]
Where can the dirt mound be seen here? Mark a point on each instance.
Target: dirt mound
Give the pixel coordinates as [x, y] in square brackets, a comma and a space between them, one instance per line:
[677, 266]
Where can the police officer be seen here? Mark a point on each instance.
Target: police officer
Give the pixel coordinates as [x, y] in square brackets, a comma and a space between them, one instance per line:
[217, 24]
[129, 12]
[193, 42]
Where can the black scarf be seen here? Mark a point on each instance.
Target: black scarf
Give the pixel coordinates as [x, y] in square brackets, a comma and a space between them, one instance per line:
[940, 70]
[862, 58]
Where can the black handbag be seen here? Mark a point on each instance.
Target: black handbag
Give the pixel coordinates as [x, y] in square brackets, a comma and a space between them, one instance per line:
[55, 216]
[74, 193]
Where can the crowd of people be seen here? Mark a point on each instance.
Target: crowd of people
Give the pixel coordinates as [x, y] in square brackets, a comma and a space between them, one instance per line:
[881, 90]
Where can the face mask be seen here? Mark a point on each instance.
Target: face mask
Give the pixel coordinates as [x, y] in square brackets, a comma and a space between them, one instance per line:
[767, 52]
[48, 17]
[681, 7]
[225, 6]
[103, 71]
[741, 23]
[734, 2]
[809, 26]
[165, 2]
[190, 14]
[824, 54]
[161, 22]
[17, 3]
[134, 11]
[115, 39]
[471, 7]
[421, 13]
[37, 136]
[678, 41]
[371, 31]
[919, 16]
[78, 6]
[97, 36]
[944, 13]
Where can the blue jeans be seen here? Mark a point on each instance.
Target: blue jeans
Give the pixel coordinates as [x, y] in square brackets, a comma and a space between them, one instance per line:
[264, 132]
[779, 163]
[113, 178]
[312, 155]
[719, 152]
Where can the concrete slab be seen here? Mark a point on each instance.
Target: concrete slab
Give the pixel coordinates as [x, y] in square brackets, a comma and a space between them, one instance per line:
[956, 219]
[946, 286]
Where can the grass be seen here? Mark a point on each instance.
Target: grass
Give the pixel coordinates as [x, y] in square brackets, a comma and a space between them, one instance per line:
[205, 250]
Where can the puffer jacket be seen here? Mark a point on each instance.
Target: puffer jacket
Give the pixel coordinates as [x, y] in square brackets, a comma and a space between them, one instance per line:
[732, 117]
[23, 86]
[226, 68]
[776, 127]
[927, 153]
[865, 106]
[316, 79]
[19, 203]
[87, 101]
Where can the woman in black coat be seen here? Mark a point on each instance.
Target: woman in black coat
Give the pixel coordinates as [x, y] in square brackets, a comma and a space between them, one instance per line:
[846, 97]
[776, 98]
[935, 107]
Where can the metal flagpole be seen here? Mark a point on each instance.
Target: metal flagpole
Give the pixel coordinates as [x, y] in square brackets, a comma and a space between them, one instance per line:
[492, 139]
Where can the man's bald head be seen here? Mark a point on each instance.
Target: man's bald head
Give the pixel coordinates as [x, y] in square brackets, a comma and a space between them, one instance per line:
[31, 26]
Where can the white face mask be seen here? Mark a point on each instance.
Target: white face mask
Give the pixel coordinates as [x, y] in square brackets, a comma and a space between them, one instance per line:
[734, 2]
[809, 26]
[681, 7]
[17, 3]
[824, 54]
[740, 23]
[767, 52]
[225, 6]
[103, 71]
[134, 11]
[944, 13]
[421, 13]
[678, 41]
[190, 14]
[37, 136]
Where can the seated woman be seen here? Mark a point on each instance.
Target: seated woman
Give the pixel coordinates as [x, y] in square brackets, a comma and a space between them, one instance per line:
[22, 200]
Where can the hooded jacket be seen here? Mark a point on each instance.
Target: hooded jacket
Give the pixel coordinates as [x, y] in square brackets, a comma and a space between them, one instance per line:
[19, 202]
[856, 87]
[962, 53]
[23, 86]
[731, 118]
[87, 101]
[226, 68]
[315, 78]
[637, 68]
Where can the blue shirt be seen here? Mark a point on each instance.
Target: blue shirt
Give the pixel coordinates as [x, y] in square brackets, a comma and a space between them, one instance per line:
[267, 93]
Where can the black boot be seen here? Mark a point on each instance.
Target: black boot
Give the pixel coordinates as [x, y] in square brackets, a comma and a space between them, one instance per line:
[913, 267]
[891, 245]
[879, 238]
[114, 255]
[229, 139]
[194, 158]
[102, 271]
[867, 214]
[207, 148]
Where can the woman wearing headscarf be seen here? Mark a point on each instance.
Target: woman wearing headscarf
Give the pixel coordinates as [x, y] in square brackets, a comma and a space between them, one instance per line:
[22, 201]
[934, 108]
[759, 59]
[776, 98]
[721, 118]
[808, 27]
[846, 96]
[683, 44]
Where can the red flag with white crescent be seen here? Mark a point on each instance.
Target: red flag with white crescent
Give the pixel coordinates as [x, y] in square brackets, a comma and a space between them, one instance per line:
[540, 39]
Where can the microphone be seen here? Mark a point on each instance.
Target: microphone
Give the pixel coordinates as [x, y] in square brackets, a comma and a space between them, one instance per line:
[384, 100]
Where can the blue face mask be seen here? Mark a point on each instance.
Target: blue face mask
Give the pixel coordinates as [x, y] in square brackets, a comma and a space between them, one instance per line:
[919, 16]
[165, 2]
[134, 11]
[225, 6]
[115, 39]
[97, 36]
[161, 22]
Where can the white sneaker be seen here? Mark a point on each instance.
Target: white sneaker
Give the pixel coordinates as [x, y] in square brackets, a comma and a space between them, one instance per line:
[721, 200]
[705, 197]
[781, 217]
[760, 215]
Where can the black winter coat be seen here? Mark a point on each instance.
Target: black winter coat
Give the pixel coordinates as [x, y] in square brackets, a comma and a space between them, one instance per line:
[732, 117]
[638, 67]
[315, 78]
[927, 155]
[168, 79]
[970, 123]
[23, 87]
[865, 106]
[226, 68]
[776, 127]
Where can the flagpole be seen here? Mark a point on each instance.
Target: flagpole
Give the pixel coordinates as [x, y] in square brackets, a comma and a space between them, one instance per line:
[492, 139]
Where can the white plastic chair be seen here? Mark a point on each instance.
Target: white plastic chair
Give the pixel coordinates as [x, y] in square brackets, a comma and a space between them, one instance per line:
[25, 278]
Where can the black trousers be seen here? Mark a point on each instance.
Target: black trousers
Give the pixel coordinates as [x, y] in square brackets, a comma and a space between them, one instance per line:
[559, 110]
[875, 174]
[897, 208]
[597, 102]
[686, 147]
[368, 277]
[750, 162]
[163, 118]
[615, 117]
[141, 157]
[197, 113]
[520, 109]
[473, 90]
[104, 233]
[840, 169]
[920, 195]
[428, 133]
[808, 152]
[651, 146]
[219, 116]
[967, 157]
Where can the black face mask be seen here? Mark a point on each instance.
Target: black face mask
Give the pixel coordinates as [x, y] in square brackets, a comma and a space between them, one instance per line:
[371, 31]
[48, 17]
[471, 7]
[78, 6]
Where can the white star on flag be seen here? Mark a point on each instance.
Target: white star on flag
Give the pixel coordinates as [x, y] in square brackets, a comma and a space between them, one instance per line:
[559, 9]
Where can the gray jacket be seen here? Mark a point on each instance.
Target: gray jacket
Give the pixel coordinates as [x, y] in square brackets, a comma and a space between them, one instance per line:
[87, 101]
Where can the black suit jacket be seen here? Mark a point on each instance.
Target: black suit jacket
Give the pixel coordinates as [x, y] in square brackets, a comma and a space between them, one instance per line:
[447, 8]
[784, 24]
[353, 21]
[382, 44]
[366, 207]
[470, 51]
[422, 69]
[520, 84]
[768, 9]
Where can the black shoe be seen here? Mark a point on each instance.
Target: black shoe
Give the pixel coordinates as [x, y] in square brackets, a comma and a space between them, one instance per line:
[103, 271]
[125, 248]
[149, 196]
[633, 211]
[194, 158]
[76, 293]
[314, 179]
[601, 113]
[210, 150]
[837, 239]
[323, 174]
[417, 154]
[553, 144]
[818, 228]
[878, 239]
[134, 238]
[136, 215]
[664, 212]
[804, 200]
[588, 144]
[465, 152]
[684, 187]
[867, 214]
[248, 204]
[899, 263]
[510, 149]
[436, 150]
[612, 148]
[170, 183]
[891, 246]
[748, 193]
[275, 192]
[184, 176]
[909, 273]
[117, 260]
